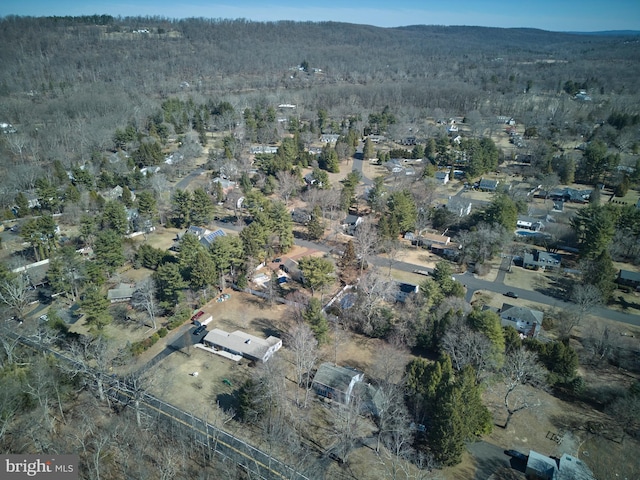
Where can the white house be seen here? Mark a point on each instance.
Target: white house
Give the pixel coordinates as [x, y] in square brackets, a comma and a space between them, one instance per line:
[244, 344]
[329, 137]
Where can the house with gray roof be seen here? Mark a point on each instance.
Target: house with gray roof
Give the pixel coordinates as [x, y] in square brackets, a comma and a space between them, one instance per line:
[629, 278]
[205, 236]
[526, 321]
[488, 185]
[460, 206]
[442, 177]
[405, 290]
[567, 467]
[541, 260]
[529, 223]
[122, 293]
[335, 382]
[244, 344]
[541, 467]
[329, 137]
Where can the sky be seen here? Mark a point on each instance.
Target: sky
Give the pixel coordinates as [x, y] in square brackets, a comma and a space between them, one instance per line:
[554, 15]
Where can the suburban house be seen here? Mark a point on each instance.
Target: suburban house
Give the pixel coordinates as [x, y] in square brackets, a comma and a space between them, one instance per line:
[301, 216]
[263, 149]
[122, 293]
[335, 382]
[395, 165]
[488, 185]
[525, 320]
[149, 170]
[376, 138]
[451, 251]
[460, 206]
[350, 223]
[329, 137]
[372, 401]
[628, 278]
[568, 467]
[405, 290]
[541, 467]
[543, 260]
[566, 195]
[204, 235]
[115, 193]
[431, 239]
[242, 344]
[226, 184]
[443, 177]
[529, 223]
[310, 179]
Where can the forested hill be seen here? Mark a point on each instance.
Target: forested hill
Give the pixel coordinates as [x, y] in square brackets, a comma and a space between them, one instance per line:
[94, 74]
[39, 51]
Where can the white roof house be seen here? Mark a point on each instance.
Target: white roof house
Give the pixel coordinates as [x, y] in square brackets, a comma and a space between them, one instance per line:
[241, 343]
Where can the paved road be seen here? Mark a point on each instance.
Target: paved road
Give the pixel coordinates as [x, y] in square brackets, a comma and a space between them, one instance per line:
[178, 340]
[490, 458]
[184, 183]
[358, 163]
[473, 283]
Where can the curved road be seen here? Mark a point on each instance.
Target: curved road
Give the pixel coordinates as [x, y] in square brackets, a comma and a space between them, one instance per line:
[474, 284]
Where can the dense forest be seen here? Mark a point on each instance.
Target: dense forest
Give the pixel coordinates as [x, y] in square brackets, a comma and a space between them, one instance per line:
[91, 75]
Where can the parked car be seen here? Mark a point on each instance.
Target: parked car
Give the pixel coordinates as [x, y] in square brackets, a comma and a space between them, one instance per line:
[516, 454]
[199, 330]
[511, 294]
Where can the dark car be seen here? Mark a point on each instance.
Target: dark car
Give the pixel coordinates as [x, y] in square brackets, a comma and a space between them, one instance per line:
[199, 330]
[511, 294]
[516, 454]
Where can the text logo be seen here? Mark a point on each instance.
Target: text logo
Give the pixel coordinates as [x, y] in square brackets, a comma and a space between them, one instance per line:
[39, 466]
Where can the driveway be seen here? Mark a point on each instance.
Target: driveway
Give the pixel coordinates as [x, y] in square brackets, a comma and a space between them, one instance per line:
[489, 458]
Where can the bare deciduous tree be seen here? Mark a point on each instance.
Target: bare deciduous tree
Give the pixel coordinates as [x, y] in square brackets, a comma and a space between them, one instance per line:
[288, 184]
[16, 293]
[346, 423]
[144, 298]
[521, 368]
[304, 348]
[366, 239]
[585, 297]
[468, 347]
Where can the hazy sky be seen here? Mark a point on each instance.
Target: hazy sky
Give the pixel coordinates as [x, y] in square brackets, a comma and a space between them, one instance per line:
[556, 15]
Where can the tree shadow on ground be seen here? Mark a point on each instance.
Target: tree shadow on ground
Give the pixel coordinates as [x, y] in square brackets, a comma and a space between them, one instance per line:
[556, 287]
[626, 305]
[266, 326]
[226, 401]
